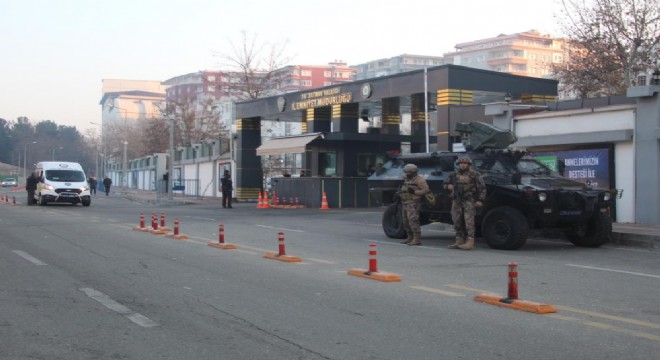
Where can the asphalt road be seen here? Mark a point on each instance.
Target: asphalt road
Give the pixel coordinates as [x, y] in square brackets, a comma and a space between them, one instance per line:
[79, 283]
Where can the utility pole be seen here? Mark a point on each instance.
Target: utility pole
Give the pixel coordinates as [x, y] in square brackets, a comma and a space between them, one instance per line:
[170, 164]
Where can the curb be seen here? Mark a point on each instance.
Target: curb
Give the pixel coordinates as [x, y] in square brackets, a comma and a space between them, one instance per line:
[222, 246]
[522, 305]
[377, 275]
[636, 240]
[284, 258]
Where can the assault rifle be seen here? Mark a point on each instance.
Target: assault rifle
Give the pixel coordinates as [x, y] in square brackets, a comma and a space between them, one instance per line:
[458, 190]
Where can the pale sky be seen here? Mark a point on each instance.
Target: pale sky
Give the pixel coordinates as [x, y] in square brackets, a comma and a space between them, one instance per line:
[54, 53]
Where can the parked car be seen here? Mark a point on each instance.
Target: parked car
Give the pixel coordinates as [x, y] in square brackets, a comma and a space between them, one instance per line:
[7, 182]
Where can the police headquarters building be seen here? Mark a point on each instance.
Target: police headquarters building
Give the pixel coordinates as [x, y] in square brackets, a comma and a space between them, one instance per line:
[402, 112]
[347, 129]
[597, 141]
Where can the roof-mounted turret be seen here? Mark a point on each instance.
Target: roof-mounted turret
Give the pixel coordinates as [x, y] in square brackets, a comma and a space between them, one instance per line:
[480, 136]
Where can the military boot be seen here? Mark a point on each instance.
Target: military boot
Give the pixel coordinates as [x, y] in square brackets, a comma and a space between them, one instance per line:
[416, 240]
[459, 241]
[408, 240]
[469, 244]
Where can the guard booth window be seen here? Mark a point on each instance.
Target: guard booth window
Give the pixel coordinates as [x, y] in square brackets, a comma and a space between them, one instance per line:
[328, 164]
[368, 163]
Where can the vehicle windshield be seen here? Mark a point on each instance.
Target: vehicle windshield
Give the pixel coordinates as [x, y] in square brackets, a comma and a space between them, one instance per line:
[507, 165]
[65, 175]
[531, 166]
[10, 179]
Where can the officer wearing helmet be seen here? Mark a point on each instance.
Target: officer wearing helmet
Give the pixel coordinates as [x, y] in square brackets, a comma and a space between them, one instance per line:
[468, 192]
[413, 189]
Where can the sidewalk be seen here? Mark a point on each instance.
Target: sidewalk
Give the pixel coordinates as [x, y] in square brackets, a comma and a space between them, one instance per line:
[637, 235]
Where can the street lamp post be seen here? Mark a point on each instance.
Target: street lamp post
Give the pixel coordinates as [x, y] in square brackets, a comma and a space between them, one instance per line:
[124, 179]
[124, 166]
[25, 159]
[102, 167]
[60, 148]
[170, 164]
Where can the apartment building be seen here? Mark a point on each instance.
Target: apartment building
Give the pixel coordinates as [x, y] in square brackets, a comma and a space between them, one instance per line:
[527, 53]
[125, 101]
[302, 77]
[395, 65]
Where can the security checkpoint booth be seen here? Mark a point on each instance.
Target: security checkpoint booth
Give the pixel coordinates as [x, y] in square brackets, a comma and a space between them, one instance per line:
[414, 111]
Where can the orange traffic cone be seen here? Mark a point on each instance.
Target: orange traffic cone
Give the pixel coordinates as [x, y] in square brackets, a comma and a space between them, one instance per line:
[259, 201]
[324, 202]
[265, 204]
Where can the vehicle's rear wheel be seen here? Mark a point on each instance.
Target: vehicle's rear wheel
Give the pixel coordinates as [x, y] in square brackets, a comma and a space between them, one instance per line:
[593, 233]
[505, 228]
[393, 222]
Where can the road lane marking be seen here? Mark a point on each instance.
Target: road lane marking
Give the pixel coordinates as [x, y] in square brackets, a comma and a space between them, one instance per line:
[199, 217]
[460, 287]
[111, 304]
[614, 270]
[246, 252]
[604, 326]
[437, 291]
[29, 258]
[622, 330]
[610, 317]
[255, 248]
[279, 228]
[322, 261]
[399, 244]
[561, 317]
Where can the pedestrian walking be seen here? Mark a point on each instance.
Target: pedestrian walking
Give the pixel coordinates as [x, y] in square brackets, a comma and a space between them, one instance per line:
[412, 191]
[107, 182]
[468, 193]
[31, 186]
[227, 187]
[92, 185]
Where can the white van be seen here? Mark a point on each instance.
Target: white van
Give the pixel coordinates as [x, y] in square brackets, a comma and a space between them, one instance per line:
[62, 182]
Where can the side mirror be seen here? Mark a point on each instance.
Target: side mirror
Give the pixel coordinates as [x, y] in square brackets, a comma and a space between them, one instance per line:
[516, 179]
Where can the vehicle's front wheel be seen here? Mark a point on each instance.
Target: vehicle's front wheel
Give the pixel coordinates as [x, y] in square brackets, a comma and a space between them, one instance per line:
[505, 228]
[42, 200]
[393, 222]
[86, 202]
[593, 233]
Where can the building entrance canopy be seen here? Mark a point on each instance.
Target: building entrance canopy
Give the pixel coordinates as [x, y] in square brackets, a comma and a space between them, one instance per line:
[288, 144]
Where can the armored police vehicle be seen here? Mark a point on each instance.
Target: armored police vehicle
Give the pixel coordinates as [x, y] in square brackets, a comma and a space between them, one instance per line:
[522, 194]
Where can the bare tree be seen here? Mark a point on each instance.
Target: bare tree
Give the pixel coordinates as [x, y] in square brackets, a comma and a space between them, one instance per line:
[611, 42]
[253, 64]
[155, 135]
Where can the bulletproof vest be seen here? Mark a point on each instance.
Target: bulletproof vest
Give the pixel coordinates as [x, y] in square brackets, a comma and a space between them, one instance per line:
[405, 195]
[466, 182]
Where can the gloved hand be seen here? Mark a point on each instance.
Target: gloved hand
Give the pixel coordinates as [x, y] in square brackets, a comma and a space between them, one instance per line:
[450, 187]
[411, 190]
[478, 204]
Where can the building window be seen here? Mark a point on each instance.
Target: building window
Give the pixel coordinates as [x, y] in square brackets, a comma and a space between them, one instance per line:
[327, 83]
[327, 73]
[306, 72]
[211, 78]
[306, 82]
[328, 164]
[211, 88]
[641, 80]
